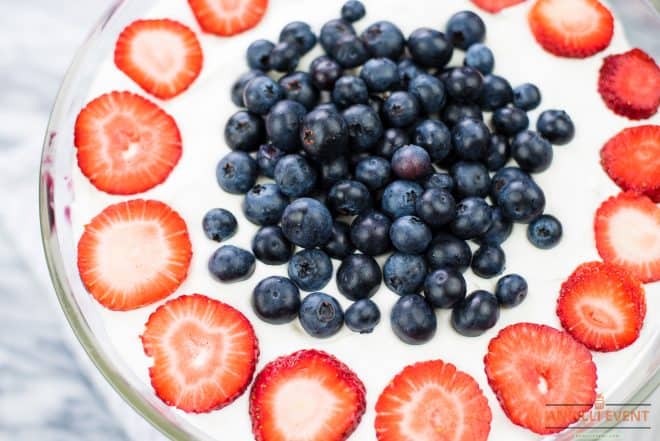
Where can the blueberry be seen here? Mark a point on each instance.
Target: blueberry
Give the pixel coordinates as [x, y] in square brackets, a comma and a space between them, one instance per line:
[258, 53]
[267, 157]
[436, 207]
[404, 273]
[475, 314]
[384, 39]
[556, 126]
[447, 251]
[430, 48]
[219, 224]
[295, 176]
[310, 269]
[500, 229]
[324, 134]
[544, 232]
[349, 198]
[355, 157]
[429, 91]
[408, 71]
[526, 96]
[298, 86]
[307, 223]
[480, 57]
[496, 92]
[374, 172]
[352, 11]
[444, 287]
[364, 127]
[299, 34]
[401, 109]
[236, 172]
[503, 177]
[411, 162]
[239, 85]
[413, 320]
[321, 315]
[332, 31]
[261, 94]
[511, 290]
[370, 233]
[276, 300]
[349, 90]
[349, 51]
[409, 234]
[470, 179]
[358, 276]
[380, 74]
[465, 28]
[464, 84]
[324, 72]
[433, 136]
[399, 198]
[334, 171]
[271, 247]
[531, 151]
[362, 316]
[284, 57]
[376, 102]
[473, 218]
[498, 152]
[339, 246]
[244, 131]
[488, 261]
[454, 112]
[521, 200]
[441, 181]
[283, 124]
[510, 121]
[471, 139]
[264, 204]
[230, 264]
[392, 139]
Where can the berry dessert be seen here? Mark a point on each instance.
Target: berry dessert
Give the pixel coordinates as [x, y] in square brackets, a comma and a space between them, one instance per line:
[415, 221]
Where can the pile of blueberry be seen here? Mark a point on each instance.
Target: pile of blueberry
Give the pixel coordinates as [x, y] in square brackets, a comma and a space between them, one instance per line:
[382, 148]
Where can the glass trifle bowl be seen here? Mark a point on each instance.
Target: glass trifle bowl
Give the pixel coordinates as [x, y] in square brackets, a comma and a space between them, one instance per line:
[68, 201]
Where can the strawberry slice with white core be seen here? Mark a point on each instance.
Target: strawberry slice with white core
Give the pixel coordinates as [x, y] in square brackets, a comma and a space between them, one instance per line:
[204, 353]
[602, 306]
[134, 253]
[495, 6]
[432, 401]
[125, 143]
[543, 378]
[228, 17]
[306, 396]
[627, 229]
[163, 56]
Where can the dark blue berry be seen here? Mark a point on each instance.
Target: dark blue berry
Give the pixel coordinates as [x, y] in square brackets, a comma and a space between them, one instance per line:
[264, 204]
[230, 264]
[526, 96]
[324, 134]
[441, 181]
[411, 162]
[324, 72]
[349, 51]
[384, 39]
[358, 276]
[362, 316]
[464, 84]
[299, 34]
[236, 172]
[239, 85]
[401, 109]
[349, 90]
[244, 131]
[454, 112]
[511, 290]
[521, 200]
[276, 300]
[531, 151]
[298, 87]
[408, 71]
[444, 287]
[374, 172]
[404, 273]
[475, 314]
[271, 247]
[335, 170]
[364, 127]
[500, 229]
[473, 218]
[488, 261]
[353, 10]
[339, 246]
[295, 176]
[510, 121]
[410, 235]
[392, 139]
[349, 198]
[433, 136]
[544, 232]
[258, 54]
[380, 74]
[470, 179]
[283, 125]
[310, 269]
[370, 233]
[447, 251]
[498, 152]
[503, 177]
[219, 224]
[470, 139]
[267, 157]
[332, 31]
[284, 57]
[321, 315]
[413, 320]
[480, 57]
[465, 28]
[436, 207]
[430, 48]
[307, 223]
[556, 126]
[261, 94]
[399, 198]
[495, 93]
[429, 91]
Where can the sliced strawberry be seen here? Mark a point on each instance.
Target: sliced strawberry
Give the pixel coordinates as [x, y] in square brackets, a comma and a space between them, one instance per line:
[571, 28]
[204, 352]
[601, 305]
[495, 6]
[543, 378]
[432, 401]
[228, 17]
[163, 56]
[126, 144]
[308, 395]
[630, 84]
[627, 229]
[134, 253]
[632, 159]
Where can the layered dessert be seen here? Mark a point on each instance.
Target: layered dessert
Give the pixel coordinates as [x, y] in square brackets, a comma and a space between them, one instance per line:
[373, 221]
